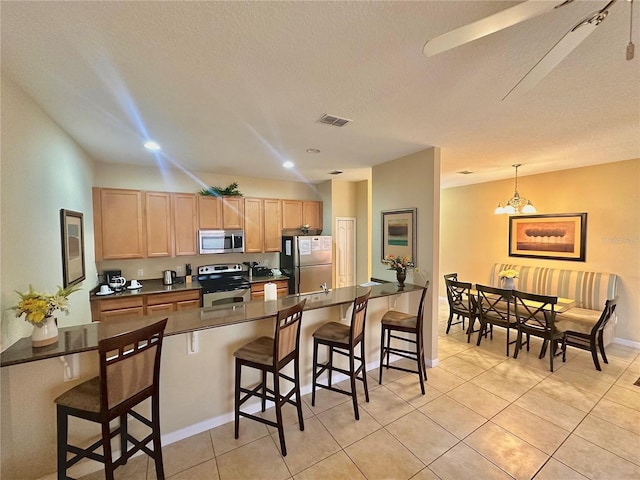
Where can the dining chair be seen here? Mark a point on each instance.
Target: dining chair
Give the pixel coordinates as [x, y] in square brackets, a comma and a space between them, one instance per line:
[343, 340]
[536, 317]
[495, 307]
[129, 374]
[585, 331]
[406, 323]
[462, 304]
[271, 355]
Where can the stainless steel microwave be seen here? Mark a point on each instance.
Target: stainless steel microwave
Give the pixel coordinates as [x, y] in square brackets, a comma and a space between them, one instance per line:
[221, 241]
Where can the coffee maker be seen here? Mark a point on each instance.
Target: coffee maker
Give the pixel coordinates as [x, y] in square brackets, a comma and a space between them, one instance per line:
[109, 275]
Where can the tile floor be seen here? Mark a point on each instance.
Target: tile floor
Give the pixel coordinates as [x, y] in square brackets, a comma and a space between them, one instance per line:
[484, 415]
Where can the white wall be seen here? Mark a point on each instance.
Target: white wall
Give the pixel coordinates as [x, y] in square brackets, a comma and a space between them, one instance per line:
[42, 171]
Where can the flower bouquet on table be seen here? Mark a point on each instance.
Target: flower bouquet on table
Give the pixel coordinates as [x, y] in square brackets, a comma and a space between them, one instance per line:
[399, 264]
[38, 309]
[507, 277]
[508, 274]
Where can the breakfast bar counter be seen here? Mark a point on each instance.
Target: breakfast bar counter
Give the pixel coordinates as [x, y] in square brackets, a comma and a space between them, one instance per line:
[196, 374]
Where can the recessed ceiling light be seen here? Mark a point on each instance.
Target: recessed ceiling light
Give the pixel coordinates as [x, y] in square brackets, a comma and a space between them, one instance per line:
[151, 145]
[288, 164]
[313, 150]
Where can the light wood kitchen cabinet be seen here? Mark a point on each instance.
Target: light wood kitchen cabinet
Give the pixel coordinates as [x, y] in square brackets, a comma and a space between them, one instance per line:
[157, 207]
[161, 308]
[121, 313]
[301, 212]
[185, 224]
[233, 213]
[209, 212]
[146, 304]
[156, 300]
[257, 289]
[188, 304]
[116, 307]
[253, 225]
[272, 225]
[118, 224]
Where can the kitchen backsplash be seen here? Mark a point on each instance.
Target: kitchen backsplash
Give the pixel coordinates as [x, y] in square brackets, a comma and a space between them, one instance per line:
[153, 267]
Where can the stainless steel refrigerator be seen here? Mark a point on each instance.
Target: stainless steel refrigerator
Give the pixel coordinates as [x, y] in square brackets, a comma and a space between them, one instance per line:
[307, 261]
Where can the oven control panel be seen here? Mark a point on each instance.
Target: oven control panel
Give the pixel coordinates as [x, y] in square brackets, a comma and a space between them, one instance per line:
[219, 268]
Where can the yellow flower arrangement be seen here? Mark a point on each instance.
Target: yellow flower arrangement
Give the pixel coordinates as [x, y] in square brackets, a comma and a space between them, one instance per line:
[508, 274]
[399, 264]
[36, 305]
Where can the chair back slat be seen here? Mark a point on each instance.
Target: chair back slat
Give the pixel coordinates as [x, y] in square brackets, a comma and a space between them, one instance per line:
[496, 303]
[420, 317]
[608, 311]
[130, 365]
[287, 336]
[535, 311]
[459, 296]
[359, 317]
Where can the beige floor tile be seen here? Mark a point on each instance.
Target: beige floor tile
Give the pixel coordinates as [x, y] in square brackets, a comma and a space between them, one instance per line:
[555, 411]
[624, 396]
[621, 352]
[595, 462]
[510, 453]
[326, 399]
[583, 363]
[515, 372]
[205, 471]
[461, 368]
[342, 425]
[554, 470]
[381, 456]
[422, 436]
[425, 474]
[289, 415]
[481, 357]
[567, 394]
[408, 388]
[610, 437]
[257, 460]
[307, 447]
[135, 469]
[586, 381]
[388, 375]
[625, 417]
[628, 378]
[537, 431]
[442, 380]
[462, 462]
[184, 454]
[452, 416]
[478, 399]
[336, 467]
[384, 406]
[496, 383]
[223, 436]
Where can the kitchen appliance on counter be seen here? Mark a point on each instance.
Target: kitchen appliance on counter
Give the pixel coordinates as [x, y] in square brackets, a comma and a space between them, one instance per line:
[220, 241]
[169, 277]
[222, 283]
[111, 274]
[307, 261]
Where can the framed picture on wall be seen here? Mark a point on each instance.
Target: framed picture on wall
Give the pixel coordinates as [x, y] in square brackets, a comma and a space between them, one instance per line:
[72, 230]
[399, 234]
[557, 237]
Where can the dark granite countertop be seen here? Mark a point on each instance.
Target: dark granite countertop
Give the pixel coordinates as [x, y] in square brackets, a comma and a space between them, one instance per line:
[82, 338]
[148, 287]
[270, 278]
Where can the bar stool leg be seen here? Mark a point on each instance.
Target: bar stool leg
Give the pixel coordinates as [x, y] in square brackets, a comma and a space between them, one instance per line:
[157, 446]
[298, 397]
[237, 399]
[278, 400]
[264, 390]
[106, 447]
[330, 368]
[381, 354]
[315, 369]
[352, 375]
[364, 371]
[123, 438]
[63, 423]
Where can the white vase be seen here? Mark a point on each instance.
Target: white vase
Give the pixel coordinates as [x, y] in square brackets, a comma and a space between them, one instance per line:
[509, 284]
[45, 333]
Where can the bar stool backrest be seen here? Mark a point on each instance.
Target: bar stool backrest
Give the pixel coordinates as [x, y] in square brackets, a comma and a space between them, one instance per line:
[420, 317]
[287, 336]
[359, 318]
[130, 367]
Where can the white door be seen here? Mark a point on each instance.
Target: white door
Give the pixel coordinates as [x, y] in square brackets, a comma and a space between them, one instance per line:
[345, 251]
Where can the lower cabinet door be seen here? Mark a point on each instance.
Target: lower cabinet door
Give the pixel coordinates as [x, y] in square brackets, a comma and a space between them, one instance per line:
[160, 308]
[188, 304]
[123, 312]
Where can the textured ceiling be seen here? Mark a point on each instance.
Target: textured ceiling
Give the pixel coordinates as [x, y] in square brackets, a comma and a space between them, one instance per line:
[237, 87]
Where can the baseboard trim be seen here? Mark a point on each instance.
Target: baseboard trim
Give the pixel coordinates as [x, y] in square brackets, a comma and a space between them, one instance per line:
[626, 343]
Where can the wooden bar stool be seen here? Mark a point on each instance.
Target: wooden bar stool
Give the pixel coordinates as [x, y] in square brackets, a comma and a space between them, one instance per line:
[271, 355]
[394, 321]
[129, 374]
[343, 339]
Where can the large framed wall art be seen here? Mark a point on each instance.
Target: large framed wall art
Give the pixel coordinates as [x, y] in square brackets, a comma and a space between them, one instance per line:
[399, 234]
[557, 236]
[72, 230]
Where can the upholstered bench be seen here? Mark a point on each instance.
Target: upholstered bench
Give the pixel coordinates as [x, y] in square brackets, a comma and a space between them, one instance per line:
[589, 289]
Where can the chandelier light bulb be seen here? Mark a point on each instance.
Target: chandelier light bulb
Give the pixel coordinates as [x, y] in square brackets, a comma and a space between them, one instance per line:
[515, 204]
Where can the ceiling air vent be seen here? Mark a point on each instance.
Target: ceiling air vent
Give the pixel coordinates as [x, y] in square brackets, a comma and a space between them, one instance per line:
[335, 172]
[333, 120]
[465, 172]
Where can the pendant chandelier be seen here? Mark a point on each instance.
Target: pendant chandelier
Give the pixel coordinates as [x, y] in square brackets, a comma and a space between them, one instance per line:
[515, 204]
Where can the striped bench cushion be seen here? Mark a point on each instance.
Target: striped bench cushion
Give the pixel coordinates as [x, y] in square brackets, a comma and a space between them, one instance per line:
[589, 289]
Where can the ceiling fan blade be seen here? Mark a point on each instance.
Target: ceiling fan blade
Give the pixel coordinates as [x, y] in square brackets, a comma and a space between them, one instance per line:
[559, 51]
[488, 25]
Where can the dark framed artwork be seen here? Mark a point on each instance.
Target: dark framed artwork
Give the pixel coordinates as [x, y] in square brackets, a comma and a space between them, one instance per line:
[557, 237]
[72, 230]
[399, 234]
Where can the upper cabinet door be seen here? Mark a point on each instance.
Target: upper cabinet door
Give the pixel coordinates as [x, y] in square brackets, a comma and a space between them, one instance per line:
[158, 224]
[233, 213]
[185, 223]
[291, 214]
[312, 214]
[209, 212]
[253, 225]
[272, 225]
[118, 225]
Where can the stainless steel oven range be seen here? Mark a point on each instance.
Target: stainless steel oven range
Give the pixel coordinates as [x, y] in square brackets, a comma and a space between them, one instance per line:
[223, 283]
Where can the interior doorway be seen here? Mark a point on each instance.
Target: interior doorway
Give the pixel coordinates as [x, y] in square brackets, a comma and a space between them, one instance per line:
[345, 238]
